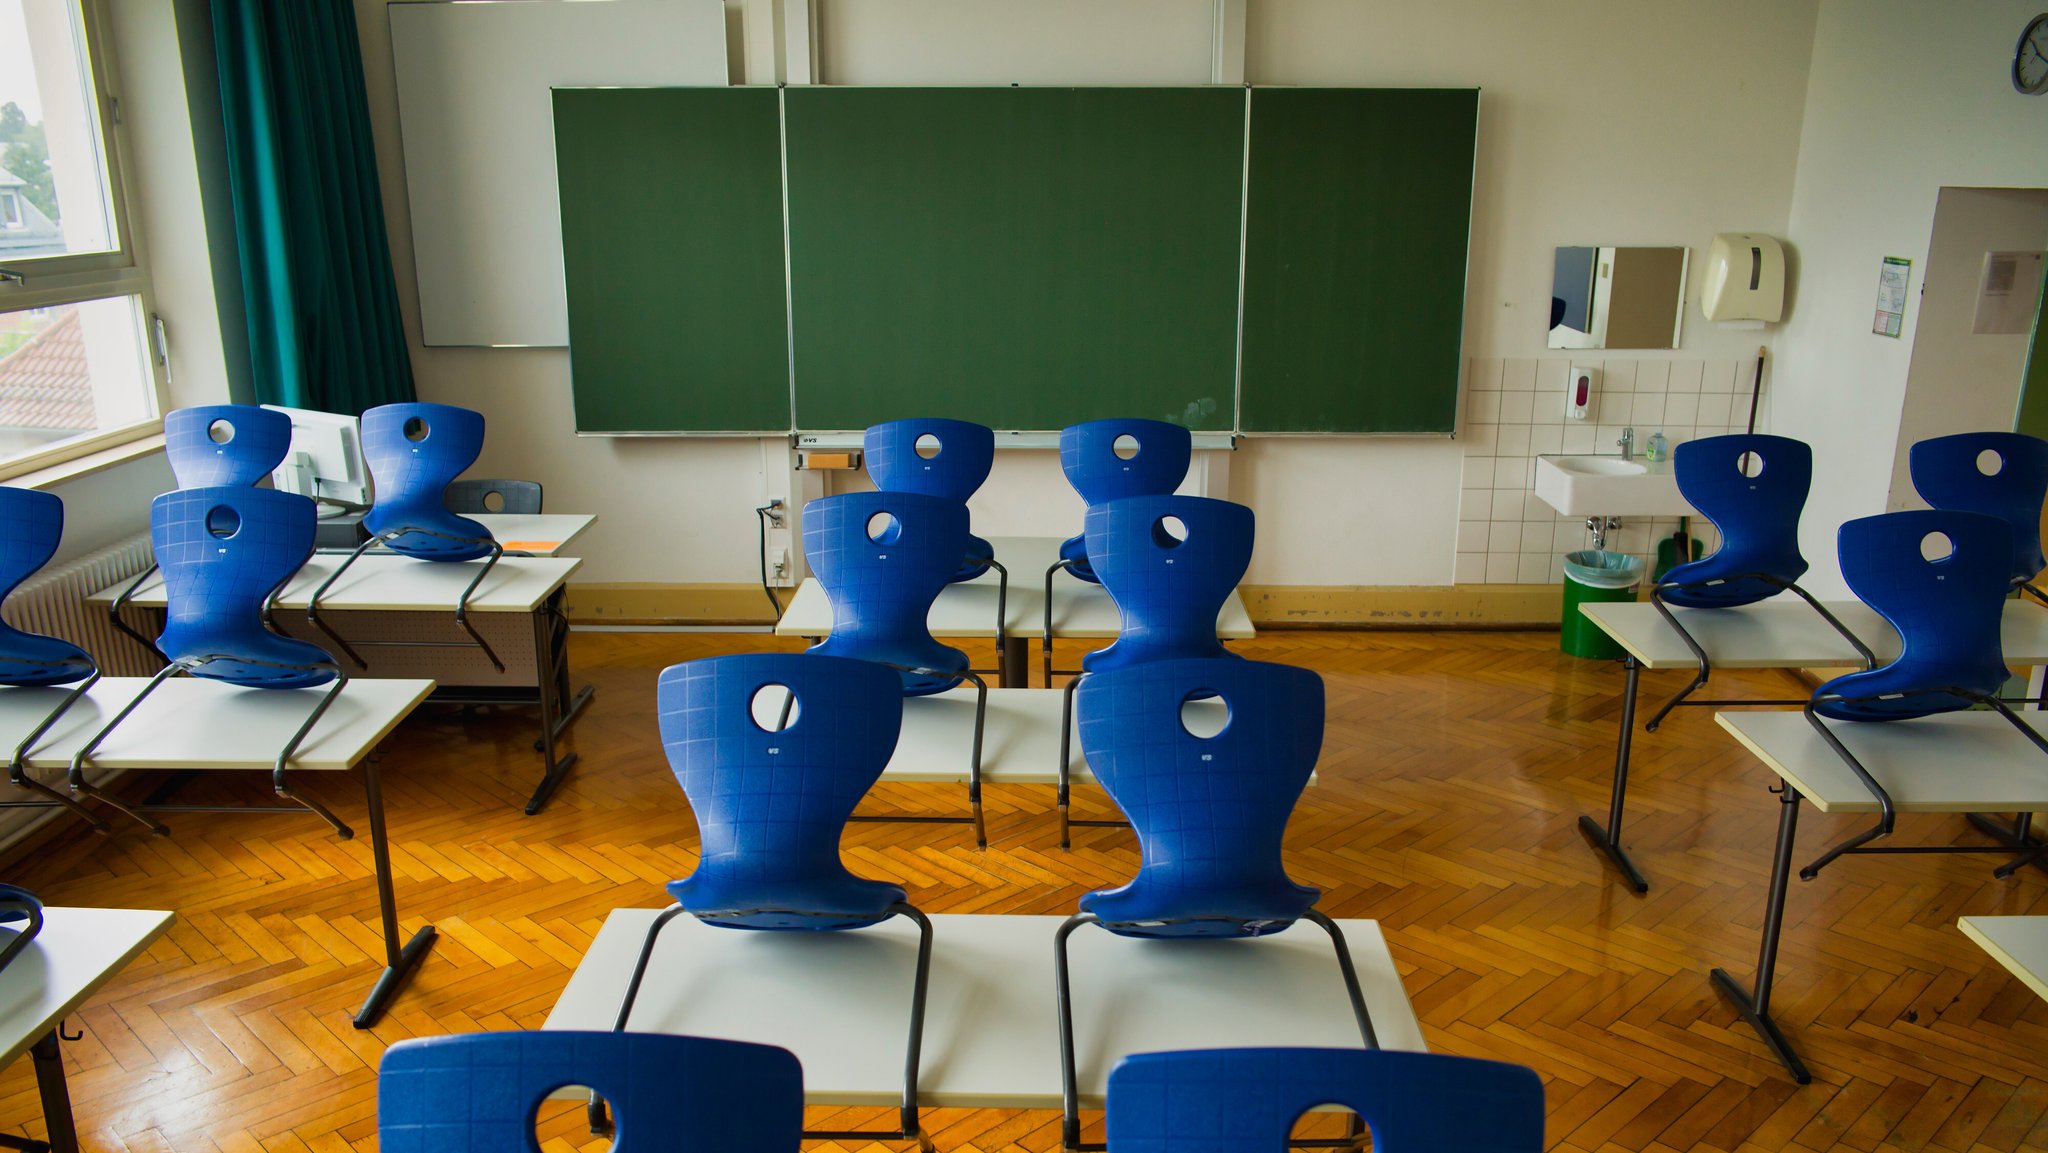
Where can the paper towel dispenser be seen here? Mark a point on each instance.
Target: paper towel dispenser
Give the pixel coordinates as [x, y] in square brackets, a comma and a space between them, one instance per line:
[1745, 278]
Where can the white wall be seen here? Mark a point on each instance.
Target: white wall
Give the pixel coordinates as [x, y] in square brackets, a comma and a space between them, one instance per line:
[1959, 380]
[1905, 97]
[1601, 122]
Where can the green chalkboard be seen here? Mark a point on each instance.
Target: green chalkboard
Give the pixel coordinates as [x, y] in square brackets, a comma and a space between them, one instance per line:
[1358, 214]
[672, 248]
[1022, 257]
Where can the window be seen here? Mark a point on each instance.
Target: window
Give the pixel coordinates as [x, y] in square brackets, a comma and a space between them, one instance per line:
[76, 370]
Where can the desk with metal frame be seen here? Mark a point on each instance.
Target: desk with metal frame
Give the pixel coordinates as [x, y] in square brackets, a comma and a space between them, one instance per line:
[201, 725]
[968, 609]
[2018, 943]
[1963, 762]
[839, 1000]
[1782, 633]
[406, 589]
[77, 952]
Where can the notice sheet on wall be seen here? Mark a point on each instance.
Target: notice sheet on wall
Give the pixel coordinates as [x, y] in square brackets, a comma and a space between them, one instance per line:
[1892, 278]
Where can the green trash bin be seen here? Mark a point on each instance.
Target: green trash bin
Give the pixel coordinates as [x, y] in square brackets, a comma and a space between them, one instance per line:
[1592, 576]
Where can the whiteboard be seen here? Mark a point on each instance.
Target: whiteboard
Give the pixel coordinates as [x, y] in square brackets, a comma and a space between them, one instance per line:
[477, 123]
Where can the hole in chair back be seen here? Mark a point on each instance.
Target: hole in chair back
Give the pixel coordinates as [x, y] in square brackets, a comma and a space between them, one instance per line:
[562, 1121]
[220, 432]
[415, 429]
[927, 446]
[1990, 463]
[1936, 547]
[774, 708]
[1125, 447]
[494, 501]
[1750, 464]
[1204, 714]
[1329, 1125]
[223, 522]
[1169, 532]
[884, 529]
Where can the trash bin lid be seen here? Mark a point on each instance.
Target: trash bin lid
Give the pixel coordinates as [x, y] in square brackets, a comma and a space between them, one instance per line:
[1602, 569]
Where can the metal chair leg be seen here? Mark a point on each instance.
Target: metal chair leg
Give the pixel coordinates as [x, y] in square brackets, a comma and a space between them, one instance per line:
[1887, 814]
[640, 966]
[17, 767]
[1358, 1009]
[278, 782]
[81, 786]
[1063, 798]
[1070, 1092]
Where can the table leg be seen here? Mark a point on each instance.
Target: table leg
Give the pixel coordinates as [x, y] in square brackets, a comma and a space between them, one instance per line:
[1017, 662]
[49, 1063]
[398, 962]
[551, 674]
[1608, 839]
[2018, 837]
[1755, 1004]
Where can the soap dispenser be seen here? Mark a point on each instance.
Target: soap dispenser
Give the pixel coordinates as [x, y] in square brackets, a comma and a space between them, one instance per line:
[1659, 448]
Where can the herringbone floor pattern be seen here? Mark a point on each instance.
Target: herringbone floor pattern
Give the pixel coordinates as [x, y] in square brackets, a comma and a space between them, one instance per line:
[1454, 767]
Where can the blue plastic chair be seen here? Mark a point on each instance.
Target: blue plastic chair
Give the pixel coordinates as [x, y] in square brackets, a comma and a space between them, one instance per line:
[252, 442]
[1247, 1100]
[1947, 473]
[224, 550]
[965, 453]
[1168, 589]
[1949, 614]
[31, 524]
[882, 558]
[1758, 519]
[772, 801]
[414, 450]
[1209, 813]
[479, 1092]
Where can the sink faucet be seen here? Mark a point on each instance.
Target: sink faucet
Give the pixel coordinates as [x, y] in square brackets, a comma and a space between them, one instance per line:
[1627, 443]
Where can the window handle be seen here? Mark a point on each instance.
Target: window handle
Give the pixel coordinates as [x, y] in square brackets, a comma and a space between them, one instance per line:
[7, 274]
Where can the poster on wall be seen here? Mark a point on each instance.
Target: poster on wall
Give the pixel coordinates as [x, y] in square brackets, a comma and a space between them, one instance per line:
[1892, 278]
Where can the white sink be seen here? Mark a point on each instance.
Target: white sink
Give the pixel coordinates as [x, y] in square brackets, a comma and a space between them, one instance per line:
[1608, 486]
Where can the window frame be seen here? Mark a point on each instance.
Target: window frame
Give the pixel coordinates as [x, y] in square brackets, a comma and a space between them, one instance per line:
[73, 278]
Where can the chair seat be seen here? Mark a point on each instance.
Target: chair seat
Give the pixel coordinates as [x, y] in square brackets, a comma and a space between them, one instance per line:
[30, 659]
[1139, 910]
[475, 539]
[934, 656]
[846, 902]
[1074, 550]
[1698, 585]
[232, 663]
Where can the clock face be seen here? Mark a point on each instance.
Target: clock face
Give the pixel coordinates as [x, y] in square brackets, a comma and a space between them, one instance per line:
[2030, 59]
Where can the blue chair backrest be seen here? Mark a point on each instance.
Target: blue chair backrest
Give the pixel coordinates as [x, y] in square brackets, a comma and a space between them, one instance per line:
[883, 557]
[1088, 456]
[1208, 811]
[770, 804]
[965, 454]
[1247, 1100]
[31, 524]
[1167, 590]
[1947, 474]
[412, 477]
[479, 1092]
[254, 441]
[1757, 516]
[1949, 612]
[223, 550]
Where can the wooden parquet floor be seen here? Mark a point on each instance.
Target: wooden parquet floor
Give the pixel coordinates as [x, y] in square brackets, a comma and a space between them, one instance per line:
[1454, 767]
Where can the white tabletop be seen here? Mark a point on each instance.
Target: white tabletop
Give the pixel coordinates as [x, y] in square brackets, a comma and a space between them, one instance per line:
[968, 609]
[190, 723]
[1966, 762]
[2018, 943]
[840, 1001]
[383, 582]
[76, 952]
[539, 533]
[1785, 633]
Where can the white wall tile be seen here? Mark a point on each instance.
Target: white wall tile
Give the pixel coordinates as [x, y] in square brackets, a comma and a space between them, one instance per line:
[1511, 439]
[1578, 437]
[1501, 567]
[1508, 503]
[1536, 535]
[1653, 375]
[1517, 407]
[1478, 472]
[1568, 536]
[1617, 376]
[1503, 536]
[1533, 569]
[1615, 408]
[1681, 408]
[1478, 438]
[1519, 375]
[1475, 504]
[1472, 535]
[1717, 376]
[1470, 569]
[1482, 406]
[1714, 408]
[1483, 374]
[1648, 411]
[1685, 375]
[1545, 438]
[1510, 472]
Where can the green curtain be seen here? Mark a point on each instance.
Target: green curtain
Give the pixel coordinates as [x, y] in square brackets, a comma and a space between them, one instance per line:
[324, 329]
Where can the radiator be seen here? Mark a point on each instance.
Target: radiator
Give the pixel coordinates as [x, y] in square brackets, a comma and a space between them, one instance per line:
[52, 602]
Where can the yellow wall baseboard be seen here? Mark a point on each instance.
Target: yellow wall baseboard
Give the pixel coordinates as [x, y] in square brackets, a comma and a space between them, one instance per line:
[1270, 606]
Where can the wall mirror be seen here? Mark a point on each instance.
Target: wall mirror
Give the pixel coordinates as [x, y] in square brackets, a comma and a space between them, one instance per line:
[1617, 297]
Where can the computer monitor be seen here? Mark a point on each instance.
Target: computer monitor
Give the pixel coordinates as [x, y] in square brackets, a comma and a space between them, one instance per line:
[325, 461]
